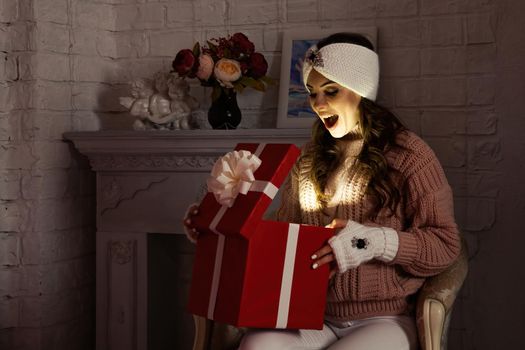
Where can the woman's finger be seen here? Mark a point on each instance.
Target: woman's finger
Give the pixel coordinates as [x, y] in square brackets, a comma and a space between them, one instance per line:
[322, 252]
[188, 224]
[324, 260]
[337, 223]
[194, 234]
[194, 209]
[191, 233]
[191, 211]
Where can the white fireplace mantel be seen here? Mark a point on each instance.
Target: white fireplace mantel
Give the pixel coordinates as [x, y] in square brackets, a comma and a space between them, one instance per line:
[170, 150]
[145, 181]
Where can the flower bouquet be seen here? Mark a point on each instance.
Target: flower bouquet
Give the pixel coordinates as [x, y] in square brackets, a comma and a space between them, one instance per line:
[228, 65]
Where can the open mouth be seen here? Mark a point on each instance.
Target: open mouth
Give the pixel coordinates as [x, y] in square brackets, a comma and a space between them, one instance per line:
[330, 121]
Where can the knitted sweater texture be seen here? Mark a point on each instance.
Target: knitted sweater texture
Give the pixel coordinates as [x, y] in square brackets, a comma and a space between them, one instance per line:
[424, 220]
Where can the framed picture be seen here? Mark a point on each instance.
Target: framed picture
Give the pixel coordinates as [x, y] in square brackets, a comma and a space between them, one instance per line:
[294, 110]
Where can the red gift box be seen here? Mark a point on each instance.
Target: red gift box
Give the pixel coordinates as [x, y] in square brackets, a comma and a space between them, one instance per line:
[251, 272]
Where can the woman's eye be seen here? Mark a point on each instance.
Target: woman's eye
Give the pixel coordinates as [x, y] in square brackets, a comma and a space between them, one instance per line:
[332, 92]
[312, 95]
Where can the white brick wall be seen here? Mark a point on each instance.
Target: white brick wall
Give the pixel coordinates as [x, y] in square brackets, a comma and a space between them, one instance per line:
[46, 240]
[63, 63]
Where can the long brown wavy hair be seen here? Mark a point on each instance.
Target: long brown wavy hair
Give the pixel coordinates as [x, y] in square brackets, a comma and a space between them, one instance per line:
[379, 128]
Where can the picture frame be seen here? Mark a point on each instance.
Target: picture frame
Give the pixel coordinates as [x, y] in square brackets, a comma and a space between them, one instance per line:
[293, 108]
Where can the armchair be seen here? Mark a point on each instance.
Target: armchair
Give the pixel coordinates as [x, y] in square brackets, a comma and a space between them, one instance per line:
[435, 302]
[433, 311]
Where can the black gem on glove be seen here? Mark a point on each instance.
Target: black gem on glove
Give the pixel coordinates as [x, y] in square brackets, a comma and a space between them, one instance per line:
[359, 243]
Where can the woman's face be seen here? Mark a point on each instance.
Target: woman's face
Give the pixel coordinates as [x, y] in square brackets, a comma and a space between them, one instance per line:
[336, 105]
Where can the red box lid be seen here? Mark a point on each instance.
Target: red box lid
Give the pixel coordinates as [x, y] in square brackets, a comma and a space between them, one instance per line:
[248, 210]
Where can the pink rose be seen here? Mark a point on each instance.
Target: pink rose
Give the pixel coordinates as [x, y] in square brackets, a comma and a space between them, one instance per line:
[184, 62]
[205, 67]
[226, 71]
[258, 65]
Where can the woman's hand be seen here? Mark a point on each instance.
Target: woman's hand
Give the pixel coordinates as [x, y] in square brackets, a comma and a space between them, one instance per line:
[325, 255]
[356, 244]
[187, 223]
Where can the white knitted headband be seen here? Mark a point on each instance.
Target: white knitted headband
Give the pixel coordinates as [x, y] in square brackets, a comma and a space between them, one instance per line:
[353, 66]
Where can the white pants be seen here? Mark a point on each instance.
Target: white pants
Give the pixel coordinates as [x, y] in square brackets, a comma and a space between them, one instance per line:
[375, 333]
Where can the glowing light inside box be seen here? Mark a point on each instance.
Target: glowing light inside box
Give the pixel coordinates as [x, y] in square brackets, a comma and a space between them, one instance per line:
[309, 203]
[308, 199]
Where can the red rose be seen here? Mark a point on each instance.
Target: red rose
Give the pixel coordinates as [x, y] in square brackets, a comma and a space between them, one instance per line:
[221, 48]
[258, 65]
[241, 44]
[244, 67]
[184, 62]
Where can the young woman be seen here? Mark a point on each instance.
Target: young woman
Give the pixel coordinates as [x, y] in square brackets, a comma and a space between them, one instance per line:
[383, 188]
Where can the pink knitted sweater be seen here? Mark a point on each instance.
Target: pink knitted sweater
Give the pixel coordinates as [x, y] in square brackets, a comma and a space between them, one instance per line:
[424, 221]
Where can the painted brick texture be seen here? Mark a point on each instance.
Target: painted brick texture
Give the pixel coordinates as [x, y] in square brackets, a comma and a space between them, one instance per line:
[46, 240]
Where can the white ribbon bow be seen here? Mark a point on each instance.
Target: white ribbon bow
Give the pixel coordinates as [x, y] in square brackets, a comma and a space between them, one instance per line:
[232, 174]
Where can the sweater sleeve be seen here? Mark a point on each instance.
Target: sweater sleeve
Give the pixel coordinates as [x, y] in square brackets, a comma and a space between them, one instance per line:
[430, 242]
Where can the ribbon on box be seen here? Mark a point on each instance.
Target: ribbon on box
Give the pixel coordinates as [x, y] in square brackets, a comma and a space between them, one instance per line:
[287, 276]
[232, 174]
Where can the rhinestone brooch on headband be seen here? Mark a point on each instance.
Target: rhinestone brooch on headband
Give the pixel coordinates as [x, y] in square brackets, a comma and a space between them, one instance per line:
[314, 57]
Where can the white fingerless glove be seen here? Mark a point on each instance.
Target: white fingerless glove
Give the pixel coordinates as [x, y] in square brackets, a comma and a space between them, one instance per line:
[356, 244]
